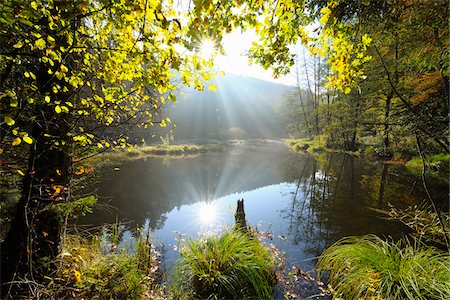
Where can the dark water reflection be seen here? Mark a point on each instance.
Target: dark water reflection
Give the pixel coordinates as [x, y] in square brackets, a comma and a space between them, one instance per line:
[308, 202]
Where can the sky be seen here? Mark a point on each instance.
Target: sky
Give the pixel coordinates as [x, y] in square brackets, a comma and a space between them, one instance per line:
[235, 62]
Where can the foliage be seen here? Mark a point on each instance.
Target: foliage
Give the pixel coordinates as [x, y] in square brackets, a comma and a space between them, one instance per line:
[368, 267]
[309, 145]
[232, 265]
[424, 222]
[378, 88]
[86, 272]
[79, 207]
[438, 162]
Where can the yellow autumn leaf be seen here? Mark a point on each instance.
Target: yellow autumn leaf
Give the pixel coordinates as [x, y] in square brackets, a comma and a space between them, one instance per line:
[18, 45]
[212, 87]
[21, 172]
[47, 99]
[16, 141]
[58, 109]
[27, 140]
[76, 276]
[9, 121]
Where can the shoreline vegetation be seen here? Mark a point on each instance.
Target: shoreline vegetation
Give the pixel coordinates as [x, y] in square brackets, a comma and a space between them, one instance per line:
[435, 163]
[231, 264]
[182, 150]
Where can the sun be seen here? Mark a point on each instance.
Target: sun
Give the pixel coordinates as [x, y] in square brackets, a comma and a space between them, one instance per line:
[207, 213]
[207, 48]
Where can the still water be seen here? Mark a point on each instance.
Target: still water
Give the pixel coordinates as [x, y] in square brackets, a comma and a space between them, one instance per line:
[307, 202]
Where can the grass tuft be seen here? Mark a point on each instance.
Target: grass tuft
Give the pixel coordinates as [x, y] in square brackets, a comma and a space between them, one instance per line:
[369, 267]
[232, 265]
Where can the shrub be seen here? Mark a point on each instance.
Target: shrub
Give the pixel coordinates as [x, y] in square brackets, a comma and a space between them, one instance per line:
[232, 265]
[439, 162]
[365, 267]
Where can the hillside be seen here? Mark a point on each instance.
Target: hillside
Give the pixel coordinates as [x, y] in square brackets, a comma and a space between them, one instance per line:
[242, 107]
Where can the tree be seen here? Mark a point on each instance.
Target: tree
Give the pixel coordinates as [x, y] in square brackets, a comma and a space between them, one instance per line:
[71, 72]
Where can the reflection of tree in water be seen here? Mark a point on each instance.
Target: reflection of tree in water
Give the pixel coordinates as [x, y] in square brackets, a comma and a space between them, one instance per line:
[333, 195]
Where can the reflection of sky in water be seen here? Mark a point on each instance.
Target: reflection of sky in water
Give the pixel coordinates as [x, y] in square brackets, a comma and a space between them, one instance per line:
[262, 207]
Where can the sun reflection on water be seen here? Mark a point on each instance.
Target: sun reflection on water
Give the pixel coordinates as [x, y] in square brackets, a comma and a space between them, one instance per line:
[207, 213]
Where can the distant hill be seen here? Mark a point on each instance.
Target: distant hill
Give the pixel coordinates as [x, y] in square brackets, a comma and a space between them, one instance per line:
[242, 107]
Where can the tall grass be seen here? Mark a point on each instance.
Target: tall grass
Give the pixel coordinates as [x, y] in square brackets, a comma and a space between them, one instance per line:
[232, 265]
[369, 267]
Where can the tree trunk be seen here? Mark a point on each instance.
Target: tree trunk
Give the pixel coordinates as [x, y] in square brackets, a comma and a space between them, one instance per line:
[382, 185]
[239, 216]
[30, 247]
[387, 151]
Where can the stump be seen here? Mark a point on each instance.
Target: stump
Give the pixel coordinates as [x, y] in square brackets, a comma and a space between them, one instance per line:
[239, 217]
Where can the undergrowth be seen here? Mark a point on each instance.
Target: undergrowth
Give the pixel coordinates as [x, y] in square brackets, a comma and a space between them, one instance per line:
[369, 267]
[85, 271]
[437, 162]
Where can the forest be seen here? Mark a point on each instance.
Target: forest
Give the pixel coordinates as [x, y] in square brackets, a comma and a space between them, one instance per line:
[86, 126]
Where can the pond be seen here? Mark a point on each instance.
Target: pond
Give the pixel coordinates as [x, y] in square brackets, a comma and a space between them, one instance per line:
[306, 201]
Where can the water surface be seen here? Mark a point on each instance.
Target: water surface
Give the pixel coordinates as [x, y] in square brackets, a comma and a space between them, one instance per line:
[307, 202]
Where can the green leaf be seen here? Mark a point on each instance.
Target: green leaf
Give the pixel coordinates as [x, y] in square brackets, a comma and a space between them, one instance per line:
[172, 97]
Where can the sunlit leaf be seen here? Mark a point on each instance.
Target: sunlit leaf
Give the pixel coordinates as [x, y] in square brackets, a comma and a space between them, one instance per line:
[212, 87]
[18, 45]
[9, 121]
[16, 141]
[27, 140]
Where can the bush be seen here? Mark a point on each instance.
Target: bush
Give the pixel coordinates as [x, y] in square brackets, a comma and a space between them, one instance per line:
[437, 162]
[365, 267]
[232, 265]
